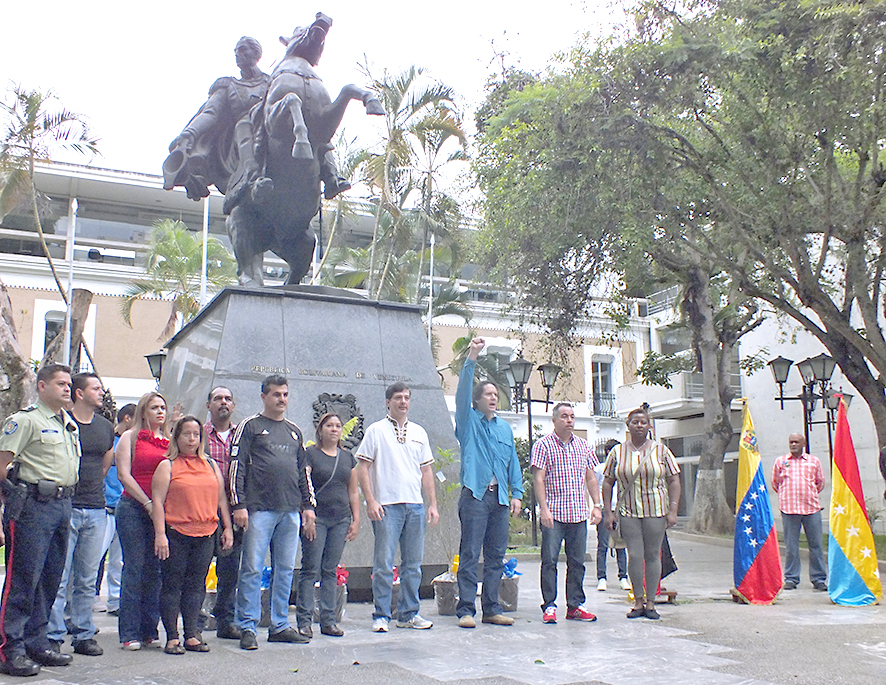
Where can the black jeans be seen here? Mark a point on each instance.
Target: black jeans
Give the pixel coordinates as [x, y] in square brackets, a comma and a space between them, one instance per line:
[227, 569]
[575, 535]
[184, 581]
[319, 560]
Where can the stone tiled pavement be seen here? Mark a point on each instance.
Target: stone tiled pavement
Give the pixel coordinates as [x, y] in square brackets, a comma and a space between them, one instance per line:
[704, 639]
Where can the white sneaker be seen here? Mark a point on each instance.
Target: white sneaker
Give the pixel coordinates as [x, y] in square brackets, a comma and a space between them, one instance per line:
[416, 622]
[380, 625]
[625, 583]
[601, 585]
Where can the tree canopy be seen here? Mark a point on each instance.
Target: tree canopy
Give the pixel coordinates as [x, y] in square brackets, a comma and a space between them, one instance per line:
[730, 146]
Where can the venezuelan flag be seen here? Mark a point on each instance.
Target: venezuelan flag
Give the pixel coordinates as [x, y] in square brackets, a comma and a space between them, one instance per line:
[852, 558]
[756, 560]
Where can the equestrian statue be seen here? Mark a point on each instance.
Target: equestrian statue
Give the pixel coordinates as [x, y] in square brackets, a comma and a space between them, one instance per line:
[264, 142]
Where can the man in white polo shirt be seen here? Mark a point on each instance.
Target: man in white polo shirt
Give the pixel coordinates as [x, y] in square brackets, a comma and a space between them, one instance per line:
[394, 465]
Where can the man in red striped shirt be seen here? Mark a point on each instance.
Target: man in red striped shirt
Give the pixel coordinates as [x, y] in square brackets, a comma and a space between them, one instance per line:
[563, 472]
[797, 477]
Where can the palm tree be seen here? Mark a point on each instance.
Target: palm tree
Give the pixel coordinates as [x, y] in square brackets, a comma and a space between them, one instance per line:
[32, 133]
[413, 107]
[434, 134]
[173, 268]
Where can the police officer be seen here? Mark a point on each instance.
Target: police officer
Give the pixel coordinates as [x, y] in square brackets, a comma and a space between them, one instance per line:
[42, 444]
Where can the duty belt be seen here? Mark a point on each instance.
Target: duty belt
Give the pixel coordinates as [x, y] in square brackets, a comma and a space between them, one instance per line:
[60, 491]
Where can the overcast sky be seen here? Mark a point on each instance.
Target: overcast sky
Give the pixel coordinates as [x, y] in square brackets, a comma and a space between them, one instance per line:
[139, 71]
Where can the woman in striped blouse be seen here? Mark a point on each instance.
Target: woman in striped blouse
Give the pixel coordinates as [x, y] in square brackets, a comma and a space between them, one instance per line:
[649, 496]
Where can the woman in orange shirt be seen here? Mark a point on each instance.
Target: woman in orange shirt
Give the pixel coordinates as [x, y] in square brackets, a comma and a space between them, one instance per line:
[188, 493]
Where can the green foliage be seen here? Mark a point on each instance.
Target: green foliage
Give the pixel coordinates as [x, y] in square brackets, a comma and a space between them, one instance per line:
[657, 369]
[174, 265]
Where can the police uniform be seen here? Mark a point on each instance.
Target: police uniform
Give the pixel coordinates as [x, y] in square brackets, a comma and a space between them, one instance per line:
[46, 454]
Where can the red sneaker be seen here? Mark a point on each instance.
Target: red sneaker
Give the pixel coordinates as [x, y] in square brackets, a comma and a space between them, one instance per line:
[579, 613]
[550, 615]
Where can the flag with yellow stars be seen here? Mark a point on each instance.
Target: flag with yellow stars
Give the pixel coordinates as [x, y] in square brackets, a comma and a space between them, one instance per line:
[852, 559]
[756, 561]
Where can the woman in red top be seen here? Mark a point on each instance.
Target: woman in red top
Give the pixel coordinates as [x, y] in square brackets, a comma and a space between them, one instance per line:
[188, 492]
[138, 453]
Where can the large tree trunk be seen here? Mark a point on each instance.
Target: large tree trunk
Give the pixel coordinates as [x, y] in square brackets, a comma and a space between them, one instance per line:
[80, 299]
[17, 378]
[710, 511]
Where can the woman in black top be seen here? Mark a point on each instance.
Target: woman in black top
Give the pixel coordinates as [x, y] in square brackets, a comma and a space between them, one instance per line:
[334, 479]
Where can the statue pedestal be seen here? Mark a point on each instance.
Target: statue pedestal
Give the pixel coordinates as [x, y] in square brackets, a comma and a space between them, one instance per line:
[329, 344]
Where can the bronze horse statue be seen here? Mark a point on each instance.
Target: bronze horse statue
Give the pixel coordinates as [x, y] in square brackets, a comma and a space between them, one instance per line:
[271, 199]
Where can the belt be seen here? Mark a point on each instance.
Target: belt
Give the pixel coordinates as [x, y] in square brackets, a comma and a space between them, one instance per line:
[60, 492]
[493, 486]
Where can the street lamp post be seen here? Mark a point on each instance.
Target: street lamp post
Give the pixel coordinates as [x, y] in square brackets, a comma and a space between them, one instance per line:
[816, 373]
[518, 373]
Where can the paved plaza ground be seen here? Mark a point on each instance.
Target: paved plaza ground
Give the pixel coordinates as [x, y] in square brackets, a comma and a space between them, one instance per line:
[704, 639]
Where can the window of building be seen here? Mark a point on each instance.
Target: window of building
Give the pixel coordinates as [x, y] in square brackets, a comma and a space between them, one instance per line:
[603, 400]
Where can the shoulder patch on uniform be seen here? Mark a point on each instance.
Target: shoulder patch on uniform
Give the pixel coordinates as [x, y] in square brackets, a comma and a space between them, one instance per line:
[10, 427]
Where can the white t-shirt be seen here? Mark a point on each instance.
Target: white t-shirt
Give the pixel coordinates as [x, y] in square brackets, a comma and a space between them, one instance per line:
[395, 471]
[598, 472]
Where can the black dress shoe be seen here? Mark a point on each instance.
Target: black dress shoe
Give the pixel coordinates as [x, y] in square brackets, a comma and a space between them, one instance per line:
[288, 635]
[227, 632]
[307, 631]
[88, 648]
[19, 665]
[49, 658]
[332, 630]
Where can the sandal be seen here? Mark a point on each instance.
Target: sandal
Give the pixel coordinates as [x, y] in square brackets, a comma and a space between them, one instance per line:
[199, 647]
[652, 614]
[637, 613]
[176, 648]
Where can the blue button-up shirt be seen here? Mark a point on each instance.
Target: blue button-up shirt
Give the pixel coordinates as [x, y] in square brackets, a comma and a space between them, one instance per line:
[487, 445]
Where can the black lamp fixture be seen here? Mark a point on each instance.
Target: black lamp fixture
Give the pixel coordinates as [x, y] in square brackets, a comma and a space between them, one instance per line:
[816, 373]
[155, 362]
[518, 373]
[780, 368]
[549, 373]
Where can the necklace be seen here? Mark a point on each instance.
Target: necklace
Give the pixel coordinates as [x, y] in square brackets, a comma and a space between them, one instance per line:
[399, 431]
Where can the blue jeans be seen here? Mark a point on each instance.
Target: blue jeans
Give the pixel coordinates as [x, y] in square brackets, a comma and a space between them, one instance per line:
[484, 526]
[78, 580]
[36, 547]
[319, 559]
[279, 531]
[575, 535]
[812, 527]
[621, 558]
[140, 584]
[402, 524]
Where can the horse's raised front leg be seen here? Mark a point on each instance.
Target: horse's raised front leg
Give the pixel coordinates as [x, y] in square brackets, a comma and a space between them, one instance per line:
[291, 105]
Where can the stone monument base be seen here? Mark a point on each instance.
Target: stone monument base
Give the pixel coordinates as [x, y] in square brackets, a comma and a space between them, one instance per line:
[339, 352]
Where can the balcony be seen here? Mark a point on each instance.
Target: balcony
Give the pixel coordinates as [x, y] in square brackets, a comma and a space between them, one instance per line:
[604, 404]
[683, 399]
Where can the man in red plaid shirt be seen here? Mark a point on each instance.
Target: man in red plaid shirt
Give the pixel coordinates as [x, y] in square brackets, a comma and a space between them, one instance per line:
[797, 477]
[563, 472]
[219, 436]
